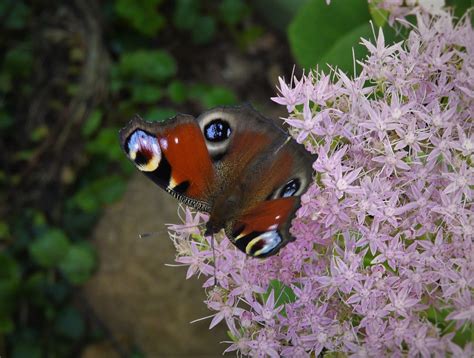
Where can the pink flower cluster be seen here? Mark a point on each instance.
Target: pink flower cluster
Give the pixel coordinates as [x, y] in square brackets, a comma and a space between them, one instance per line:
[383, 263]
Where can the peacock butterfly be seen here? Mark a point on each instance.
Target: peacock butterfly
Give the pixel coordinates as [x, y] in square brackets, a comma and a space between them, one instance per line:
[230, 162]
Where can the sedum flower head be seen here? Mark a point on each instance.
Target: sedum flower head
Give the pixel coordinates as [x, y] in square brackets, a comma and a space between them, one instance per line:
[383, 261]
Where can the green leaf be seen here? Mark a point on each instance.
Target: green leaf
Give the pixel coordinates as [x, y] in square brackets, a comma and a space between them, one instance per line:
[4, 230]
[160, 114]
[38, 219]
[464, 335]
[100, 192]
[86, 201]
[18, 14]
[5, 86]
[10, 277]
[153, 65]
[49, 248]
[24, 349]
[249, 36]
[282, 293]
[460, 7]
[6, 325]
[106, 144]
[186, 14]
[137, 354]
[203, 30]
[57, 293]
[341, 53]
[436, 316]
[34, 287]
[6, 120]
[78, 264]
[379, 16]
[197, 91]
[39, 133]
[177, 91]
[24, 154]
[218, 96]
[232, 11]
[69, 323]
[317, 27]
[92, 123]
[19, 60]
[143, 93]
[142, 15]
[278, 12]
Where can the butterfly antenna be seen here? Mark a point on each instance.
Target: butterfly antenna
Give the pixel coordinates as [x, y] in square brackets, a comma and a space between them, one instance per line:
[179, 226]
[146, 235]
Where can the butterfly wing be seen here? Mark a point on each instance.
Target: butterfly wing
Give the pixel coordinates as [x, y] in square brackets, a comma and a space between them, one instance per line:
[174, 155]
[264, 172]
[230, 162]
[265, 229]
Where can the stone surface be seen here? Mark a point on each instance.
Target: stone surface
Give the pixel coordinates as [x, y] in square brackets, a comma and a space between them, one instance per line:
[141, 301]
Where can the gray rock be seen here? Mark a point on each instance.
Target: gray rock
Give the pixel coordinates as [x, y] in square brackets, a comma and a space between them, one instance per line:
[143, 302]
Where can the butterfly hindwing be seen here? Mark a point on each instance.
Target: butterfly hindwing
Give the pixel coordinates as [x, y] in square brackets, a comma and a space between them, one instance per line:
[264, 230]
[264, 171]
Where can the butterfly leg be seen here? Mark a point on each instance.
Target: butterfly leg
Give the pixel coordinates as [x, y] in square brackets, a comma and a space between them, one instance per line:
[214, 259]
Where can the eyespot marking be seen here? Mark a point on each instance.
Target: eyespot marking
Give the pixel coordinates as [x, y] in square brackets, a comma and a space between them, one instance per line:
[290, 188]
[217, 130]
[144, 150]
[263, 244]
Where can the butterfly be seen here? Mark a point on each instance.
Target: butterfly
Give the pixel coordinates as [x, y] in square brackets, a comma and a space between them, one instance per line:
[231, 162]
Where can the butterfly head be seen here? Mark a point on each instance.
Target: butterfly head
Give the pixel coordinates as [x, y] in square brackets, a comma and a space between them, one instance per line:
[144, 150]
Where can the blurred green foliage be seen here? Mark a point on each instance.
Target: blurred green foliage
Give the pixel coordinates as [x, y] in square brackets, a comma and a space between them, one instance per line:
[45, 257]
[320, 33]
[142, 15]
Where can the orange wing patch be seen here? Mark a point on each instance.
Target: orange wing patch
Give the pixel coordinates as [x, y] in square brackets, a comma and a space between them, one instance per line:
[185, 149]
[268, 215]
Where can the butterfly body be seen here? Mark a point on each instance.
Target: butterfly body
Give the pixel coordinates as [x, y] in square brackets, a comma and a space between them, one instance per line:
[230, 162]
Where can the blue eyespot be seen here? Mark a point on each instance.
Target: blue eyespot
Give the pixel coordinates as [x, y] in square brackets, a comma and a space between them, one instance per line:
[217, 130]
[290, 188]
[143, 149]
[264, 244]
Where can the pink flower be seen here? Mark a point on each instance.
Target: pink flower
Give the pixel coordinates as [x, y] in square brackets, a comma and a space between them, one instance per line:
[290, 96]
[461, 181]
[307, 125]
[384, 232]
[464, 308]
[226, 310]
[391, 161]
[268, 311]
[341, 183]
[264, 345]
[400, 302]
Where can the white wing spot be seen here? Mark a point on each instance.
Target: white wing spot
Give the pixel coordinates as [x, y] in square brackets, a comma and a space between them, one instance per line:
[164, 143]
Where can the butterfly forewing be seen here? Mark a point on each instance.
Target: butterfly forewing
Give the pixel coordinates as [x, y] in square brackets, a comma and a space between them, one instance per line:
[172, 154]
